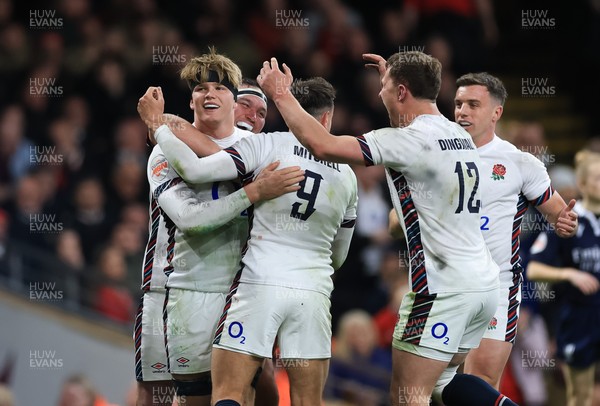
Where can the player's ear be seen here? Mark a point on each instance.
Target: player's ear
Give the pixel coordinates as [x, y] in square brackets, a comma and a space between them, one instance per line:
[192, 104]
[402, 92]
[326, 119]
[497, 113]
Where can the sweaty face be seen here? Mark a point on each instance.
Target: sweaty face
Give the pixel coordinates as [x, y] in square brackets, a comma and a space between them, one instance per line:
[475, 110]
[212, 103]
[250, 113]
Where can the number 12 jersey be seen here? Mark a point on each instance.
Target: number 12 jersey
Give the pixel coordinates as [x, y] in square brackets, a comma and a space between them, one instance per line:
[433, 172]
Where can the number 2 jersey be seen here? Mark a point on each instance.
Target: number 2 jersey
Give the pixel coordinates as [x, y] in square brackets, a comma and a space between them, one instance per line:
[510, 180]
[433, 172]
[291, 236]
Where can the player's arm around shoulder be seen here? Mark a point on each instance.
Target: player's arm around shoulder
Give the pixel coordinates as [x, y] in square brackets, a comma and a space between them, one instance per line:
[191, 136]
[216, 167]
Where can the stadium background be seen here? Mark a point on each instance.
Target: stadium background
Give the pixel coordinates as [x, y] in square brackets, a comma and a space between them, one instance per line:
[73, 193]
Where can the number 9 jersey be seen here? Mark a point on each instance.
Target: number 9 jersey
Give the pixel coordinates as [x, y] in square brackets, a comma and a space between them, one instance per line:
[291, 236]
[433, 172]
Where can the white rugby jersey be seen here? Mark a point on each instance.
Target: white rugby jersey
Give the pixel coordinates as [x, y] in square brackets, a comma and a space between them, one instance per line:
[291, 236]
[433, 172]
[205, 254]
[510, 180]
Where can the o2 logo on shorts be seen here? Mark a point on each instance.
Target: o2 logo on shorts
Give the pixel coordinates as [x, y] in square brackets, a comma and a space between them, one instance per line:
[236, 330]
[439, 331]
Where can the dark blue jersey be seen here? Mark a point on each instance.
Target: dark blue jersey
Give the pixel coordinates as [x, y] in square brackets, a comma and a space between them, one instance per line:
[581, 252]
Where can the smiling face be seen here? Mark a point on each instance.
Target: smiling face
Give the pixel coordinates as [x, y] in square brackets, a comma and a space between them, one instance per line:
[250, 113]
[212, 104]
[477, 111]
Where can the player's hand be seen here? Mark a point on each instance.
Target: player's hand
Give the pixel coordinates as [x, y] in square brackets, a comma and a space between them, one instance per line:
[585, 282]
[566, 223]
[377, 62]
[151, 107]
[272, 183]
[273, 81]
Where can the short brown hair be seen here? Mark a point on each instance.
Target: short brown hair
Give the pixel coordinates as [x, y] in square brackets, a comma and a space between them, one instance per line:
[315, 95]
[490, 82]
[419, 72]
[197, 70]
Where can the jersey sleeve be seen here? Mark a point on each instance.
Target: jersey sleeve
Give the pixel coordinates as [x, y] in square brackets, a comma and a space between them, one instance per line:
[251, 153]
[180, 204]
[160, 173]
[536, 182]
[193, 216]
[189, 166]
[343, 238]
[396, 148]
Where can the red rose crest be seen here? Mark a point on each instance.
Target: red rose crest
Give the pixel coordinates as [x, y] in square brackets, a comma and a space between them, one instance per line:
[493, 324]
[498, 172]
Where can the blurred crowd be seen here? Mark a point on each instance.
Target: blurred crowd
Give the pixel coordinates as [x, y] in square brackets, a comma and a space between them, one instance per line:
[73, 189]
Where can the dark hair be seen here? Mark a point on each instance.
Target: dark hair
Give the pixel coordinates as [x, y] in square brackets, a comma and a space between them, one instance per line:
[250, 82]
[491, 83]
[315, 95]
[419, 72]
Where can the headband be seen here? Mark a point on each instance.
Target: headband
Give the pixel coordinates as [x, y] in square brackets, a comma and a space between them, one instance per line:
[213, 76]
[253, 92]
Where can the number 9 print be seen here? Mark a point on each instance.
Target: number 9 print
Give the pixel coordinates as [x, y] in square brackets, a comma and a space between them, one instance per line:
[236, 330]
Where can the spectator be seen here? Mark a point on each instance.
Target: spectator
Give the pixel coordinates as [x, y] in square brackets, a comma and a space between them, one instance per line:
[68, 250]
[77, 390]
[89, 216]
[15, 149]
[112, 298]
[27, 214]
[360, 371]
[127, 183]
[127, 237]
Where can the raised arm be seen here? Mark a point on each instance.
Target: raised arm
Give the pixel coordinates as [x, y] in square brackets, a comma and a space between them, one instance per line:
[322, 144]
[151, 110]
[189, 166]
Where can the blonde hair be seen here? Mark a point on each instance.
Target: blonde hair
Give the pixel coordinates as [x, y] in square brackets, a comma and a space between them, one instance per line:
[583, 160]
[197, 70]
[351, 320]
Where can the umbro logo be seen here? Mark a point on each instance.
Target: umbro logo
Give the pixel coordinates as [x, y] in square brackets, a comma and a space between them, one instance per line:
[158, 365]
[183, 360]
